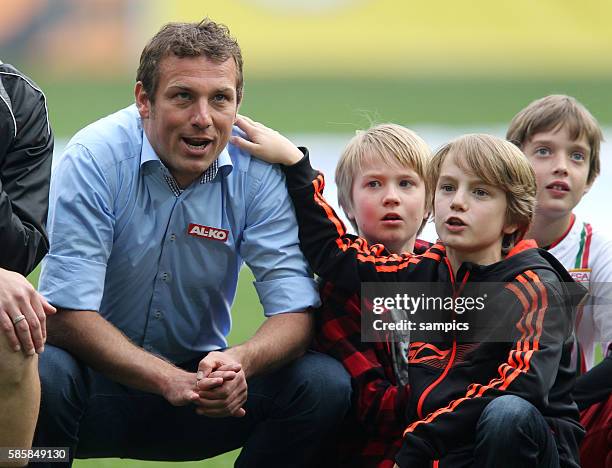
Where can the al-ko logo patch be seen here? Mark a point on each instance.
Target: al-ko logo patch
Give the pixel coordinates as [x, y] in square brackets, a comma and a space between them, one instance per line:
[207, 232]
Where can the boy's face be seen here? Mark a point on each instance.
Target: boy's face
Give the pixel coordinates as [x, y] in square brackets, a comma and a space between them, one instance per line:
[561, 166]
[388, 205]
[470, 215]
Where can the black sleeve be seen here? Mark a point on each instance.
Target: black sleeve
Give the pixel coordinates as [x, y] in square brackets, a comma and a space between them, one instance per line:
[595, 385]
[26, 148]
[340, 257]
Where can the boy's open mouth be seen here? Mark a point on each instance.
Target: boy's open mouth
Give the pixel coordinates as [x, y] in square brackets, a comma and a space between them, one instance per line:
[392, 217]
[455, 222]
[557, 185]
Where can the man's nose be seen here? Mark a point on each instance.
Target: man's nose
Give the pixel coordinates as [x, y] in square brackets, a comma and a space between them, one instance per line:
[201, 117]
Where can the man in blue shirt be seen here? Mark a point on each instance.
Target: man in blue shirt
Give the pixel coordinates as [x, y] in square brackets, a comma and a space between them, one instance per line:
[151, 216]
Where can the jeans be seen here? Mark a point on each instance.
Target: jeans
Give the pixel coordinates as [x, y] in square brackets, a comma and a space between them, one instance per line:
[288, 413]
[511, 433]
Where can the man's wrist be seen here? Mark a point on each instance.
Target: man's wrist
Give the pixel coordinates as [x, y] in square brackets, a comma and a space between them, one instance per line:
[238, 354]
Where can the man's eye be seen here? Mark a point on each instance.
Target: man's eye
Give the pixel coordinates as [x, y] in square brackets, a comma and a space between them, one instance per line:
[220, 98]
[184, 96]
[542, 151]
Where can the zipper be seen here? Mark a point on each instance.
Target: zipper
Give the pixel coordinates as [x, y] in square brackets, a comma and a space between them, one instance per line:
[451, 359]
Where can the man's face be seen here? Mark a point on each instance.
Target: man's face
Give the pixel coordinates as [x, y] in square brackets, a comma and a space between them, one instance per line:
[470, 215]
[561, 166]
[388, 205]
[191, 120]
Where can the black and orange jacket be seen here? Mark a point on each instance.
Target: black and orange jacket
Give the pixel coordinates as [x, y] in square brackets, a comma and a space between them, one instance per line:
[451, 383]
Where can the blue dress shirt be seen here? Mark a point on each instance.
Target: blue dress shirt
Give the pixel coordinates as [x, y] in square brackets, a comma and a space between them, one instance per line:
[122, 241]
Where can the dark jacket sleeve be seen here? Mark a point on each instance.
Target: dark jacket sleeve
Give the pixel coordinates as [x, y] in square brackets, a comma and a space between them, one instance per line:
[26, 147]
[595, 385]
[542, 332]
[336, 255]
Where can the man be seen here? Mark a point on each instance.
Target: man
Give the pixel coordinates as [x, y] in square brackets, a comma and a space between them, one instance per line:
[151, 216]
[26, 147]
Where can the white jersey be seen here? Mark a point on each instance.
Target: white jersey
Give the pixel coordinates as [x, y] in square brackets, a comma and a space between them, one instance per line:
[587, 255]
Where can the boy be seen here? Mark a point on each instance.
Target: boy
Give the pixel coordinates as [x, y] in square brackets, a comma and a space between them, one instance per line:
[381, 188]
[561, 139]
[497, 398]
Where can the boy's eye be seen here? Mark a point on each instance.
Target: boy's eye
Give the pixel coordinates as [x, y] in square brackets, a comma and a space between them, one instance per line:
[577, 156]
[405, 183]
[542, 151]
[373, 183]
[480, 192]
[446, 188]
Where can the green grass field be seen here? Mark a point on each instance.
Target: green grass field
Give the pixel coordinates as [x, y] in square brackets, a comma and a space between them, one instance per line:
[342, 106]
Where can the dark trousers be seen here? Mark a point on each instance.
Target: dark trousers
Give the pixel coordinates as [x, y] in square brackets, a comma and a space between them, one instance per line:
[289, 412]
[511, 433]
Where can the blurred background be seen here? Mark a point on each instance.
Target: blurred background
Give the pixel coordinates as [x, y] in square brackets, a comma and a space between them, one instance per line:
[319, 70]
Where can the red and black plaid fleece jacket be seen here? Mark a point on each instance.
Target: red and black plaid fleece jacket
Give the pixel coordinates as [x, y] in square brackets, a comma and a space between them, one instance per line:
[373, 430]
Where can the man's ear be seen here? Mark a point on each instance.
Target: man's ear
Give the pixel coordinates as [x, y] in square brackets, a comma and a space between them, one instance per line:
[142, 101]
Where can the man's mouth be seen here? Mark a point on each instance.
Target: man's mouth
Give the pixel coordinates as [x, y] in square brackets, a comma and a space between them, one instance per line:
[197, 143]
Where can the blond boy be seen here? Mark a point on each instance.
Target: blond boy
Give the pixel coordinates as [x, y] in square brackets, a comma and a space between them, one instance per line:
[485, 403]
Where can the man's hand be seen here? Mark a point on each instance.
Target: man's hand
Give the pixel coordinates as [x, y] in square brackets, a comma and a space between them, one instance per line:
[180, 389]
[221, 386]
[265, 143]
[23, 313]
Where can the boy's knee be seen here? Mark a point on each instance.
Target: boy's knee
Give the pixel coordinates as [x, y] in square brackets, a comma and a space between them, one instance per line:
[506, 412]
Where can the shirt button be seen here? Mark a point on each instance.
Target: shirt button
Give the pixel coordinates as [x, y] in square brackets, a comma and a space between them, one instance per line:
[157, 314]
[172, 237]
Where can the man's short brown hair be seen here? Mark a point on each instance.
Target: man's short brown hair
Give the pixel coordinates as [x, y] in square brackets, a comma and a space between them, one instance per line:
[206, 38]
[556, 111]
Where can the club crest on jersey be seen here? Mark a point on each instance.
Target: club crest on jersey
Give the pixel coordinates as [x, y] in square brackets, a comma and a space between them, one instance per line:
[207, 232]
[580, 275]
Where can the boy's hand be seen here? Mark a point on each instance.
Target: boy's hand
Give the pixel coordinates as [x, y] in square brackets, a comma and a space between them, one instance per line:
[266, 144]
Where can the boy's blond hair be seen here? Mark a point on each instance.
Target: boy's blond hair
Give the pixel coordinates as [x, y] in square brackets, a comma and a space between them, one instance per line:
[556, 111]
[388, 144]
[500, 164]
